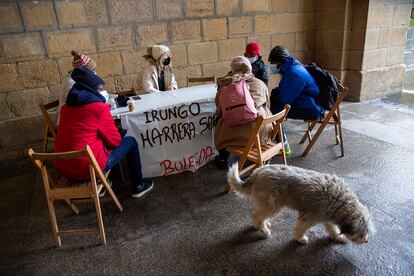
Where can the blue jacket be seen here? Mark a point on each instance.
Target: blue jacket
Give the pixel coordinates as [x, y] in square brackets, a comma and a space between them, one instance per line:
[81, 94]
[297, 87]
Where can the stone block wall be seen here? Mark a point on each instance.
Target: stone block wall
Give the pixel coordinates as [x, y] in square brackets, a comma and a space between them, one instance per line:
[36, 38]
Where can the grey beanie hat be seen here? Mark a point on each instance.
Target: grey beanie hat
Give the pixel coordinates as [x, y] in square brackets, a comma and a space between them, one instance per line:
[278, 54]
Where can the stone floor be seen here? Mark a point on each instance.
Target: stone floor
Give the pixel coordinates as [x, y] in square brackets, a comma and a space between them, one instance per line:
[186, 226]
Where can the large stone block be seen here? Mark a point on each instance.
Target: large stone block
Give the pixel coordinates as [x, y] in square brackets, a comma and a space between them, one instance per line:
[380, 16]
[286, 6]
[179, 55]
[395, 55]
[332, 40]
[287, 40]
[393, 77]
[230, 48]
[9, 79]
[215, 28]
[329, 59]
[359, 14]
[304, 41]
[372, 38]
[199, 8]
[374, 59]
[65, 66]
[256, 6]
[352, 80]
[110, 64]
[181, 74]
[125, 11]
[372, 86]
[133, 61]
[292, 22]
[62, 42]
[227, 7]
[218, 69]
[18, 138]
[169, 9]
[38, 16]
[186, 30]
[80, 13]
[330, 5]
[39, 73]
[115, 38]
[355, 59]
[5, 113]
[149, 34]
[25, 102]
[401, 15]
[9, 18]
[262, 24]
[110, 85]
[202, 52]
[392, 36]
[240, 25]
[308, 5]
[264, 42]
[21, 46]
[330, 20]
[126, 82]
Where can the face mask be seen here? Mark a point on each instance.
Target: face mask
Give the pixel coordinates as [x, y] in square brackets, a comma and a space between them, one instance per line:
[252, 59]
[105, 94]
[273, 68]
[166, 61]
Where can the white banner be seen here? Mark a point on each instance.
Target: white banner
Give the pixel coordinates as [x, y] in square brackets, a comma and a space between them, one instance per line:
[175, 137]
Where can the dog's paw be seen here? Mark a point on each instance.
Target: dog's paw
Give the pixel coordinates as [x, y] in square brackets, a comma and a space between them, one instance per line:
[266, 231]
[268, 224]
[303, 240]
[340, 239]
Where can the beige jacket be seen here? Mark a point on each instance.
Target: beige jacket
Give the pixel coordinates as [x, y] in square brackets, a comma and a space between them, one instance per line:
[150, 79]
[239, 135]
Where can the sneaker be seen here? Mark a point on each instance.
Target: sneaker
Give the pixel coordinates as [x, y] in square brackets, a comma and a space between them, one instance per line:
[144, 188]
[103, 190]
[288, 152]
[221, 163]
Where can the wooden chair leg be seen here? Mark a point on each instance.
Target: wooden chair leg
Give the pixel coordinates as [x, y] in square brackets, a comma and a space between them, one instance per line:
[45, 140]
[53, 219]
[99, 218]
[72, 206]
[316, 136]
[341, 142]
[307, 134]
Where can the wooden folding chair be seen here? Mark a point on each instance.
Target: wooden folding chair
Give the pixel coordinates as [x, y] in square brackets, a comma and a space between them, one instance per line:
[332, 118]
[56, 189]
[50, 128]
[257, 153]
[191, 80]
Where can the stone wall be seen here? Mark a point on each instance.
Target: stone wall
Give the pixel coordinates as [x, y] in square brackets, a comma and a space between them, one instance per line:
[36, 38]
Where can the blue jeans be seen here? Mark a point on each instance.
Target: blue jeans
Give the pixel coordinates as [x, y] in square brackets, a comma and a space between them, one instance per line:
[128, 148]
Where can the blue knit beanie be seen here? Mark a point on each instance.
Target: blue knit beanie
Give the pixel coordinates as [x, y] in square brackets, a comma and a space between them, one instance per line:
[86, 77]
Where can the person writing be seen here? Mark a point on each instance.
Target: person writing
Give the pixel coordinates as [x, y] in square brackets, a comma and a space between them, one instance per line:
[158, 74]
[85, 119]
[224, 135]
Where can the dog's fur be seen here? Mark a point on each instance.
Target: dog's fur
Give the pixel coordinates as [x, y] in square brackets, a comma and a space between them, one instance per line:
[319, 198]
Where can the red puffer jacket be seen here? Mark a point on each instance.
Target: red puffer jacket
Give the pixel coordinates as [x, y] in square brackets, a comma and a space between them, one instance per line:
[89, 124]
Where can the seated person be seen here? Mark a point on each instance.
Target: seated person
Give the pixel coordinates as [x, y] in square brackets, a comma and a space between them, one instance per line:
[158, 74]
[296, 88]
[79, 60]
[259, 69]
[225, 136]
[85, 119]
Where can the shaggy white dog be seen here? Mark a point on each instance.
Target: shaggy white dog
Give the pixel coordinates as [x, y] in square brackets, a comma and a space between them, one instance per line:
[319, 198]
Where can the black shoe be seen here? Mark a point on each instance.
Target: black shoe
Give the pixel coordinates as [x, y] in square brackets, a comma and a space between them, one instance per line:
[221, 163]
[142, 189]
[103, 190]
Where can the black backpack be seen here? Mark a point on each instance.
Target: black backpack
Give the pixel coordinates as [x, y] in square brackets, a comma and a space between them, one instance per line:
[327, 83]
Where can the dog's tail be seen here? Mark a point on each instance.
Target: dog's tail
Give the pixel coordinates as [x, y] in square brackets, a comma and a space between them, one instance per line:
[235, 182]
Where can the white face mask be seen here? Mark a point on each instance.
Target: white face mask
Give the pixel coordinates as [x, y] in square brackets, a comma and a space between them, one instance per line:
[105, 94]
[252, 59]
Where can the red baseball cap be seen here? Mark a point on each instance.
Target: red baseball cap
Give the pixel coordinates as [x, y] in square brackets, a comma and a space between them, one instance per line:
[253, 48]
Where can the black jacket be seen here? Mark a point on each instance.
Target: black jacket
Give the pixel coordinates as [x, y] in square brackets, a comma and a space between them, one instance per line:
[259, 70]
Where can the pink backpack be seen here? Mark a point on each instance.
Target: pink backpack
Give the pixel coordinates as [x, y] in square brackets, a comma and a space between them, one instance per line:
[236, 103]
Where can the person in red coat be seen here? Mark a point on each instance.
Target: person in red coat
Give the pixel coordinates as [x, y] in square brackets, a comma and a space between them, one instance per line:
[86, 119]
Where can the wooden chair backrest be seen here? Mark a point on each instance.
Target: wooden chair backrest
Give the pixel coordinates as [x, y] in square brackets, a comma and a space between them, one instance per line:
[39, 158]
[276, 120]
[44, 108]
[200, 79]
